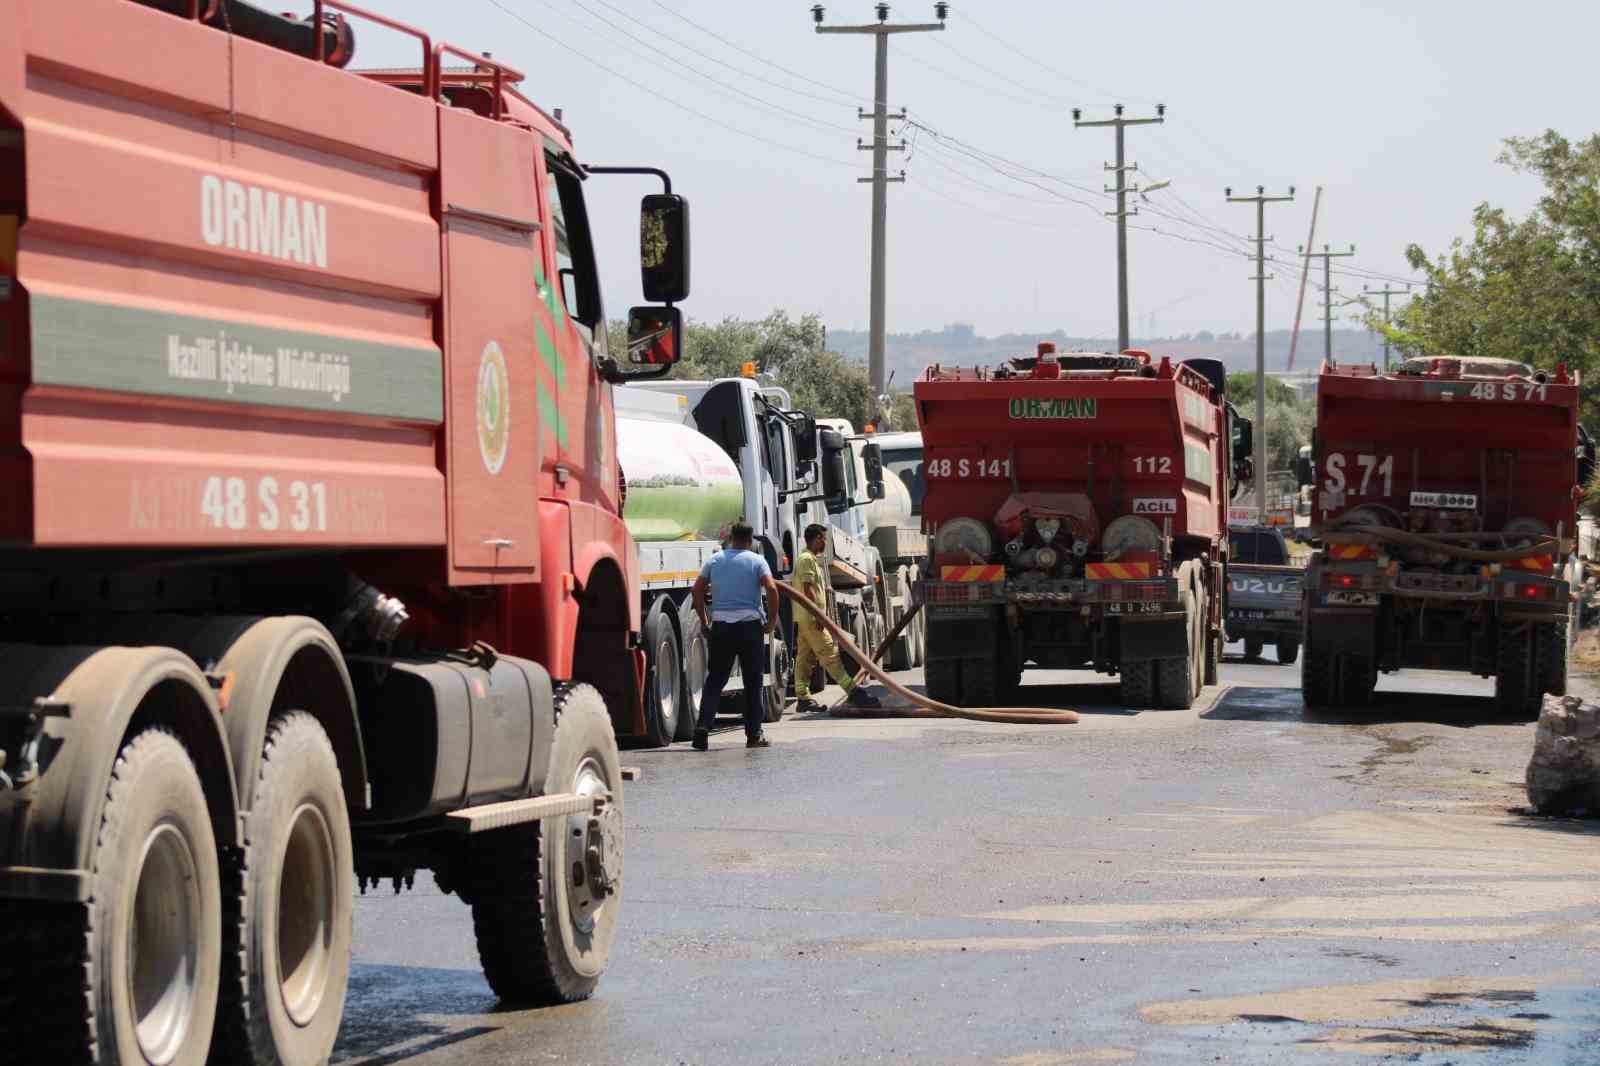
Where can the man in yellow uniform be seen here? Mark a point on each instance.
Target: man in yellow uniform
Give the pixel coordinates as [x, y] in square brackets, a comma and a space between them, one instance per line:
[815, 642]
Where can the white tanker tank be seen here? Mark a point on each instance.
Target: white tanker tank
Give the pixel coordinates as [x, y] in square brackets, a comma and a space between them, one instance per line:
[681, 485]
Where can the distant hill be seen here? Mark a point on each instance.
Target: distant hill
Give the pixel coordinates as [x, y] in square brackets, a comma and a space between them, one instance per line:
[958, 344]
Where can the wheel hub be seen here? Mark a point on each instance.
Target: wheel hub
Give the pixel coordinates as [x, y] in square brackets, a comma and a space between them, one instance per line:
[603, 849]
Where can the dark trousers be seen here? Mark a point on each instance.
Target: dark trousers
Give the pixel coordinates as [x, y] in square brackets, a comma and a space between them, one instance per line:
[746, 642]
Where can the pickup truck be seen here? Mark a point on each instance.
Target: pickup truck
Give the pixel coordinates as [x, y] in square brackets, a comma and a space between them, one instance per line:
[1263, 592]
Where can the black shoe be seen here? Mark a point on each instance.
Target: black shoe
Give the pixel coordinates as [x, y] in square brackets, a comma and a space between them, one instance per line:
[807, 705]
[758, 742]
[860, 697]
[702, 739]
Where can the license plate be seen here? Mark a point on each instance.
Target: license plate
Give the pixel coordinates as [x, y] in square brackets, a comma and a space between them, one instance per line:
[1353, 599]
[1135, 607]
[1249, 616]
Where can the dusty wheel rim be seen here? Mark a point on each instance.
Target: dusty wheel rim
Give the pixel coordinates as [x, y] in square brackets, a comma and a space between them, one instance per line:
[306, 908]
[586, 902]
[667, 684]
[696, 667]
[163, 947]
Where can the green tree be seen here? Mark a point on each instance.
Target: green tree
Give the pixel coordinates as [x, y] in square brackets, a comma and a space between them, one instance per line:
[1526, 289]
[1289, 417]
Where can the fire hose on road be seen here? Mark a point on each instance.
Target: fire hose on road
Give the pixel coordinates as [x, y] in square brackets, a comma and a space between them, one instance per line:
[930, 708]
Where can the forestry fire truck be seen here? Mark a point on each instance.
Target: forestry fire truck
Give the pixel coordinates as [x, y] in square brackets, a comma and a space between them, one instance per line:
[311, 536]
[1077, 506]
[1445, 508]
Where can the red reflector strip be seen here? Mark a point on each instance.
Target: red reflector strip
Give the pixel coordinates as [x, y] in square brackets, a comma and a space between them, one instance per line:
[1539, 564]
[972, 573]
[1352, 551]
[1115, 571]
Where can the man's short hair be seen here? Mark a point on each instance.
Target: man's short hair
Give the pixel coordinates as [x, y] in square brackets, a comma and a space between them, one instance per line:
[813, 531]
[741, 532]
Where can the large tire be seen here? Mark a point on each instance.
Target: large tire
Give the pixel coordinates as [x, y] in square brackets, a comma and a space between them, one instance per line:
[1316, 677]
[1517, 686]
[941, 679]
[287, 958]
[696, 665]
[919, 639]
[663, 681]
[1138, 683]
[980, 682]
[544, 923]
[1178, 680]
[1288, 650]
[1554, 644]
[1213, 656]
[775, 693]
[148, 988]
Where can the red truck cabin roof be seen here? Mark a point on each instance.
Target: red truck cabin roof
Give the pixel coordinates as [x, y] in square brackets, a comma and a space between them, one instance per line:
[1448, 438]
[1136, 439]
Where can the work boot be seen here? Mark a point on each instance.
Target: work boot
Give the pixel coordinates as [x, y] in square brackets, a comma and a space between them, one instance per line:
[702, 739]
[758, 741]
[860, 697]
[807, 705]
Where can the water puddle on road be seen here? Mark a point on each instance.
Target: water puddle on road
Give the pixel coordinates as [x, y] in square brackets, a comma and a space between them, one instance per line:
[1522, 1019]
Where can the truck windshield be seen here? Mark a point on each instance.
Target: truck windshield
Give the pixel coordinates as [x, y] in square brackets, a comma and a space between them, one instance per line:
[1258, 548]
[906, 464]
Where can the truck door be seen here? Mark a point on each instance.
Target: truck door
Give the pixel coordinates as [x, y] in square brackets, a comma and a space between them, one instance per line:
[490, 219]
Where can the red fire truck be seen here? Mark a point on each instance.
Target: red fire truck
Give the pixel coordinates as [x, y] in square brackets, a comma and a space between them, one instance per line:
[1445, 505]
[313, 556]
[1077, 509]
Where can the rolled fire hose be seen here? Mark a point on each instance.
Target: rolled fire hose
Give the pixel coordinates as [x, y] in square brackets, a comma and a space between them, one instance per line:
[1014, 715]
[1419, 540]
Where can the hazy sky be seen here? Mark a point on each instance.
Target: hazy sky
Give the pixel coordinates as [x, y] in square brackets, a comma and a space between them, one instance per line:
[1395, 107]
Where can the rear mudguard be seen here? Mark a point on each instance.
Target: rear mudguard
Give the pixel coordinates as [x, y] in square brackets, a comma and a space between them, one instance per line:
[50, 826]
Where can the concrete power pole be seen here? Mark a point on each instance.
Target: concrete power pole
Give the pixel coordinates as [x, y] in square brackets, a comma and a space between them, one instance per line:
[880, 147]
[1121, 166]
[1386, 293]
[1261, 200]
[1327, 258]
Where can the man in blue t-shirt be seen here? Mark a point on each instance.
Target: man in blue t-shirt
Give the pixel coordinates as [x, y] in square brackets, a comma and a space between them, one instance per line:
[742, 613]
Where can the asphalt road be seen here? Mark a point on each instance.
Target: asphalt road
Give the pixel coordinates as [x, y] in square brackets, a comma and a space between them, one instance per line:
[1238, 883]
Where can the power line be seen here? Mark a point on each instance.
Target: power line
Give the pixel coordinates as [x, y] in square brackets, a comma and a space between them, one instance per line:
[1064, 76]
[657, 94]
[1031, 90]
[849, 97]
[1120, 168]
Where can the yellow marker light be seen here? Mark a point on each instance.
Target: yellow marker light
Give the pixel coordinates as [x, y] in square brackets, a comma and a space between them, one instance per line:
[748, 370]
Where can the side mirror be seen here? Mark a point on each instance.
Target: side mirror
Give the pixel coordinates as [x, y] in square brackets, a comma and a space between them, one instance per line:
[664, 247]
[872, 459]
[805, 439]
[655, 336]
[1303, 474]
[1244, 440]
[835, 486]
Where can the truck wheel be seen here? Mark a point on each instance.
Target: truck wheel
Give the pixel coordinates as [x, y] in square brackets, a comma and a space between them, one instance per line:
[1554, 644]
[1288, 650]
[1516, 676]
[1178, 679]
[1316, 677]
[288, 933]
[980, 682]
[1213, 657]
[663, 682]
[919, 640]
[545, 897]
[696, 665]
[154, 945]
[941, 679]
[1252, 648]
[775, 694]
[1138, 683]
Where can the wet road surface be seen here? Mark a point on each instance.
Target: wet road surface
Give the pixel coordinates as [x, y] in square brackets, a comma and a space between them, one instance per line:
[1242, 883]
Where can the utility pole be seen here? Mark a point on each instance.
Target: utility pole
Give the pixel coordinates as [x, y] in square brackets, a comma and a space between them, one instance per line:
[1386, 293]
[1121, 167]
[1305, 270]
[1327, 258]
[880, 147]
[1261, 200]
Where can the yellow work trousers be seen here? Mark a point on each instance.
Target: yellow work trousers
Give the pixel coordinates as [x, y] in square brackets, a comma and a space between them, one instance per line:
[816, 646]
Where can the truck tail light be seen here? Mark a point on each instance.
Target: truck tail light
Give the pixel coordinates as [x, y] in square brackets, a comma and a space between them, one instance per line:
[1345, 582]
[1530, 591]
